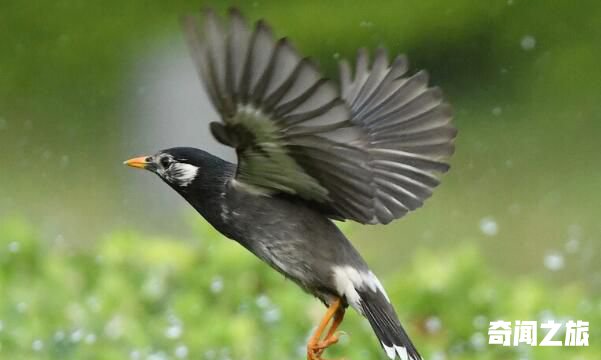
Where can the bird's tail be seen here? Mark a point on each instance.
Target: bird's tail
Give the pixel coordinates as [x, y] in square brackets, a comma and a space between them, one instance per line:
[385, 323]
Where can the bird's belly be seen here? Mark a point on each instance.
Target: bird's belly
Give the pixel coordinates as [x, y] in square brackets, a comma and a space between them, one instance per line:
[307, 263]
[298, 242]
[299, 264]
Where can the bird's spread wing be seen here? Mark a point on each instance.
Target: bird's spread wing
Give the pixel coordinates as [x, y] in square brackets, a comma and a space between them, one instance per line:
[370, 154]
[410, 135]
[289, 126]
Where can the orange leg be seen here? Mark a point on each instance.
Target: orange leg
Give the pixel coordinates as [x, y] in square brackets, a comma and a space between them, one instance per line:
[331, 338]
[316, 346]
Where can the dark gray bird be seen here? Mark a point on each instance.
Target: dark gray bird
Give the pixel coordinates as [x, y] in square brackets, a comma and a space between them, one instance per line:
[308, 152]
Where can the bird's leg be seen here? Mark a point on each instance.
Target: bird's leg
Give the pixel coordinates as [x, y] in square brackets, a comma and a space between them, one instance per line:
[332, 338]
[315, 347]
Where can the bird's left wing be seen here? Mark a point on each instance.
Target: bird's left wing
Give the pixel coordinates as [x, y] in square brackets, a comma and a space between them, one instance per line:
[288, 124]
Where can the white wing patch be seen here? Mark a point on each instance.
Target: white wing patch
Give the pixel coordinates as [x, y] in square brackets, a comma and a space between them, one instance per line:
[348, 280]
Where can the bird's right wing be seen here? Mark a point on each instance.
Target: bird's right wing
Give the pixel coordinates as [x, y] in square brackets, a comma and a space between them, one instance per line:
[370, 154]
[290, 128]
[409, 129]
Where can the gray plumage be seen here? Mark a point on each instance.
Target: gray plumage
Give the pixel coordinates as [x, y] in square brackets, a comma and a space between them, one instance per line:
[295, 239]
[309, 151]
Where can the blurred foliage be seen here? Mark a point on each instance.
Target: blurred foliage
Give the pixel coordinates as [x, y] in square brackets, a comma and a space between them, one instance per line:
[528, 116]
[141, 297]
[521, 74]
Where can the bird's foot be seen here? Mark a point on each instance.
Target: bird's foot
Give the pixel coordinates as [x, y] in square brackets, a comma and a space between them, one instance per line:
[317, 356]
[312, 354]
[325, 343]
[314, 351]
[316, 345]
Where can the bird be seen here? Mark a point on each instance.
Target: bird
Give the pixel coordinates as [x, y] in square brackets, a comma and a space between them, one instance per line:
[369, 148]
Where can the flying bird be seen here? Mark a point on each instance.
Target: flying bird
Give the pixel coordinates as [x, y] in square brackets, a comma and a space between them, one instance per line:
[369, 149]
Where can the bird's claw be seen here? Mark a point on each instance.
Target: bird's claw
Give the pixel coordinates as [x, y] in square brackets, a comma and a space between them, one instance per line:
[324, 344]
[315, 351]
[317, 356]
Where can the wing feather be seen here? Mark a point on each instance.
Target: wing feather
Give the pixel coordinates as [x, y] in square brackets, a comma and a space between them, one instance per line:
[410, 135]
[370, 152]
[238, 44]
[290, 128]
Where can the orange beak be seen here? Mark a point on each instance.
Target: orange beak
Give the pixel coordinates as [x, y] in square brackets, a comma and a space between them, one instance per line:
[138, 162]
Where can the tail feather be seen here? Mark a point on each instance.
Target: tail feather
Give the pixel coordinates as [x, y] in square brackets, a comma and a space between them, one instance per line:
[386, 325]
[364, 292]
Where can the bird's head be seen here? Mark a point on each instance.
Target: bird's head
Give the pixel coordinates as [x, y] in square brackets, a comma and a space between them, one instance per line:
[178, 167]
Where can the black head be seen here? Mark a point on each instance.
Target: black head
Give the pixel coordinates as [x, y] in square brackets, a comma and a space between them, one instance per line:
[180, 167]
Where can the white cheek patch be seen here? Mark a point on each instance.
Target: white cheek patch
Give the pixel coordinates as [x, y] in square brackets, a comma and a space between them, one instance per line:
[182, 174]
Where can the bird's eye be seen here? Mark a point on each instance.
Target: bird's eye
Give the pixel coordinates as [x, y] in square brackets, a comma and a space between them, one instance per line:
[165, 162]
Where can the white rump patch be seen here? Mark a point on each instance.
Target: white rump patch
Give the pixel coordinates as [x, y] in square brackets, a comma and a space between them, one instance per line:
[348, 280]
[182, 173]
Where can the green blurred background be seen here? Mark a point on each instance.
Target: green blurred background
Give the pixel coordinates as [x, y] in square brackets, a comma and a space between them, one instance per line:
[99, 262]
